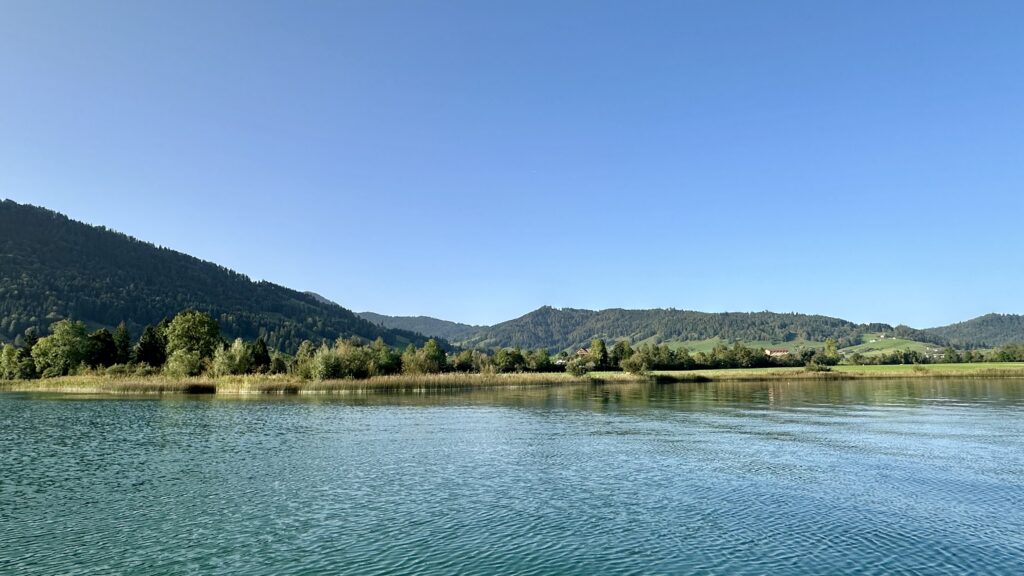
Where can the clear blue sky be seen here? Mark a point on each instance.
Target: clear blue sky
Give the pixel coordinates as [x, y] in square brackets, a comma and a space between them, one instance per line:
[475, 160]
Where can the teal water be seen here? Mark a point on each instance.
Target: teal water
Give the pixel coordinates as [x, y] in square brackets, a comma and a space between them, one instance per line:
[886, 477]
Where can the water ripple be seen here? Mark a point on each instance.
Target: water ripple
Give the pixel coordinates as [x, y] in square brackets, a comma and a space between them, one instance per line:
[713, 479]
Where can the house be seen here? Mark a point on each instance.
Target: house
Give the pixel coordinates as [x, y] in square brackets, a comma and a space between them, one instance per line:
[775, 352]
[583, 352]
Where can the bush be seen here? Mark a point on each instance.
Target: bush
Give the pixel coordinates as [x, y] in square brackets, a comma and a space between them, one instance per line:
[580, 366]
[118, 370]
[183, 363]
[815, 367]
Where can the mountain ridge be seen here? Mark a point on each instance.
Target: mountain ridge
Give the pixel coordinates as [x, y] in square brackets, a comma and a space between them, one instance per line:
[427, 325]
[54, 267]
[565, 328]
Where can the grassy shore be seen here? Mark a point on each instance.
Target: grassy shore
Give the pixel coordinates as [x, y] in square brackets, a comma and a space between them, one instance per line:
[91, 384]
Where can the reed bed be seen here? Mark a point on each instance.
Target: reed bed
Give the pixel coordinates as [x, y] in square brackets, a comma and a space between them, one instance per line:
[283, 384]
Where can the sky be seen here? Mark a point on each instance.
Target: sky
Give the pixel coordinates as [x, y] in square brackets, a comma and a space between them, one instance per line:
[475, 160]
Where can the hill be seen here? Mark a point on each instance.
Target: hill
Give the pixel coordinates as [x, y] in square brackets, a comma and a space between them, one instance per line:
[985, 331]
[452, 331]
[559, 329]
[52, 267]
[876, 344]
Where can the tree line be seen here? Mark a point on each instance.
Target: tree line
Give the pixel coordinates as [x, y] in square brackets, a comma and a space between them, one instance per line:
[562, 328]
[191, 344]
[52, 268]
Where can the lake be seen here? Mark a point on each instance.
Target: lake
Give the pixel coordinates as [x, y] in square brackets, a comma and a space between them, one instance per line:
[862, 477]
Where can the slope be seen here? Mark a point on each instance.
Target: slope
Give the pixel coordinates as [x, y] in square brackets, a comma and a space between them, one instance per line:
[52, 267]
[452, 331]
[565, 328]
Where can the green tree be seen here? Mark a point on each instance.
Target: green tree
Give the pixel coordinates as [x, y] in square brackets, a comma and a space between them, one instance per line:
[280, 363]
[102, 349]
[234, 359]
[123, 344]
[539, 361]
[193, 332]
[599, 353]
[8, 362]
[621, 351]
[431, 359]
[151, 348]
[463, 361]
[579, 366]
[260, 356]
[509, 360]
[183, 363]
[385, 359]
[830, 348]
[62, 351]
[637, 363]
[435, 358]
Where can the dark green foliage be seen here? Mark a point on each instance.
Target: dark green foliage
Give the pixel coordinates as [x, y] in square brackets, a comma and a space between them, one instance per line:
[569, 328]
[260, 356]
[1009, 353]
[431, 359]
[102, 349]
[52, 268]
[62, 351]
[982, 332]
[539, 361]
[194, 332]
[620, 352]
[508, 360]
[462, 362]
[451, 331]
[599, 354]
[151, 348]
[123, 344]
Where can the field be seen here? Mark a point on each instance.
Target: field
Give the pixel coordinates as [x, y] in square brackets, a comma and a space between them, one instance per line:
[695, 346]
[874, 345]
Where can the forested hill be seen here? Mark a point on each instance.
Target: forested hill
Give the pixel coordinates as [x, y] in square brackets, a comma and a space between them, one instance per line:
[452, 331]
[985, 331]
[52, 267]
[558, 329]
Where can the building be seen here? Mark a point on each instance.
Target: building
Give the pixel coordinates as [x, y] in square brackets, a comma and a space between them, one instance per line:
[775, 352]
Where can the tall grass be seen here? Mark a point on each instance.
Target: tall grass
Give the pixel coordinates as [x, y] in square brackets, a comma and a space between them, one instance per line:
[284, 384]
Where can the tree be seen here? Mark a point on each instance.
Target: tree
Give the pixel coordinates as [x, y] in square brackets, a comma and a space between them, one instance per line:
[579, 366]
[62, 351]
[123, 344]
[621, 351]
[599, 353]
[102, 349]
[463, 361]
[509, 360]
[234, 359]
[260, 356]
[431, 359]
[385, 360]
[8, 362]
[435, 358]
[636, 364]
[151, 348]
[830, 348]
[539, 361]
[183, 363]
[194, 332]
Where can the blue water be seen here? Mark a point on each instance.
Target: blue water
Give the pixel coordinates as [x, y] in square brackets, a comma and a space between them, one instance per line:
[886, 477]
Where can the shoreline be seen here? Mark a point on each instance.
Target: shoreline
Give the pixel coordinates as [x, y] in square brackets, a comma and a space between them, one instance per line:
[257, 384]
